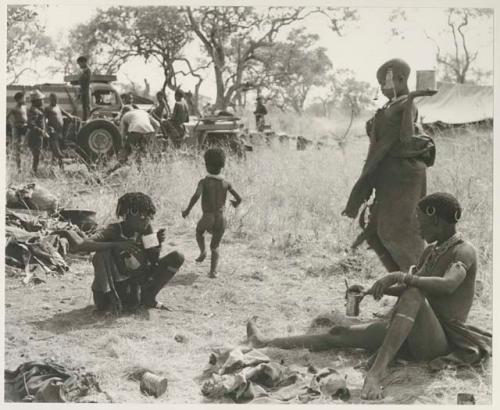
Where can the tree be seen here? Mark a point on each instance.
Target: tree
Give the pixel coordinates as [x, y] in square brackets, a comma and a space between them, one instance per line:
[457, 64]
[291, 68]
[344, 92]
[26, 41]
[232, 38]
[154, 33]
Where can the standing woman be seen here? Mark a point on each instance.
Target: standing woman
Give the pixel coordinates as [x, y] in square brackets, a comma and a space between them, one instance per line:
[395, 169]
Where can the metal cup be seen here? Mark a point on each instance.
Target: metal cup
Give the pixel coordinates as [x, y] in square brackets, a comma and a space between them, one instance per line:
[150, 241]
[353, 301]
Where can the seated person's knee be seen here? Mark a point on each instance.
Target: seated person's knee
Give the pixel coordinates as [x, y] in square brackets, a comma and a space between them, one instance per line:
[337, 330]
[178, 259]
[412, 295]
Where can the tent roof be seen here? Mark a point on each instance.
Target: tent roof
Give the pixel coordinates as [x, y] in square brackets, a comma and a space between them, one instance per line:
[456, 104]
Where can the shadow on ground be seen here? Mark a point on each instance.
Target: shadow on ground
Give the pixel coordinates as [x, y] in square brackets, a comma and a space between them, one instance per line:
[84, 317]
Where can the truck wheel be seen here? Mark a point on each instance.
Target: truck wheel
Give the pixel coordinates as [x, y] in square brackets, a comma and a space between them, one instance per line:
[99, 138]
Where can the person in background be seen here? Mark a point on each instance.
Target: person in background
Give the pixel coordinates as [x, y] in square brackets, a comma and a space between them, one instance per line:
[160, 110]
[84, 82]
[54, 115]
[36, 127]
[180, 115]
[18, 118]
[260, 113]
[138, 129]
[213, 191]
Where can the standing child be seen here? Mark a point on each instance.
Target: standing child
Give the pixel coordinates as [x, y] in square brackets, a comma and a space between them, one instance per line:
[213, 191]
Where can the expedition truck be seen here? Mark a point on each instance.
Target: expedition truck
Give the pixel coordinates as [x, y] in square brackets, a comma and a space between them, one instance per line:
[99, 135]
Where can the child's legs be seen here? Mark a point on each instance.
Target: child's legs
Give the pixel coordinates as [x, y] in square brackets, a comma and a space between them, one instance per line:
[204, 224]
[217, 234]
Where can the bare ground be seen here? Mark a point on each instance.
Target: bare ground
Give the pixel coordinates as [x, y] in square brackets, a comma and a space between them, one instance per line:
[56, 319]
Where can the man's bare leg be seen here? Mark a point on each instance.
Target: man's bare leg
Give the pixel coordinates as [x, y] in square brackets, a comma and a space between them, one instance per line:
[200, 239]
[366, 336]
[214, 261]
[414, 321]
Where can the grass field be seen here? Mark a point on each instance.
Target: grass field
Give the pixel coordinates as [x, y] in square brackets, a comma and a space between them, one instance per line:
[284, 258]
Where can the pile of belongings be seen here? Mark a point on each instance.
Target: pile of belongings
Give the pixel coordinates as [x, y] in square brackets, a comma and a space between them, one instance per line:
[31, 196]
[49, 382]
[247, 375]
[33, 245]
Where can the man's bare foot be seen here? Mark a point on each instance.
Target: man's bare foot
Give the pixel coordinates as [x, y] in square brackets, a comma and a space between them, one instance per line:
[212, 274]
[372, 389]
[253, 334]
[202, 257]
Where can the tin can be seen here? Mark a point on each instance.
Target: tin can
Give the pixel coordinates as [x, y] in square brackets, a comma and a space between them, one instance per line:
[465, 398]
[353, 301]
[153, 384]
[426, 80]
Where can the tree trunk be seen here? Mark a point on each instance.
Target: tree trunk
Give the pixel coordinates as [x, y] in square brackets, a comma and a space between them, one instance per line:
[220, 102]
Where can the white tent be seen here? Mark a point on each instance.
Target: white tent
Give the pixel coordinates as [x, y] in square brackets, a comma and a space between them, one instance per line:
[456, 104]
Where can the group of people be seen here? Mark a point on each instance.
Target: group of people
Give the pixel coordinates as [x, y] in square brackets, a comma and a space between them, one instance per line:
[432, 267]
[137, 127]
[36, 124]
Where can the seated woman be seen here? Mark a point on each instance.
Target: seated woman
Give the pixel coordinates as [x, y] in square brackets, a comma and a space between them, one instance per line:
[125, 273]
[428, 321]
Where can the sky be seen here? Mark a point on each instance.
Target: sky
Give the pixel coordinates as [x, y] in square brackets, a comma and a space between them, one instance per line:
[363, 46]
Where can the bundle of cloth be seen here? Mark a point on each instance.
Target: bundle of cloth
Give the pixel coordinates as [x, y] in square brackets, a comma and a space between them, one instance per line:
[50, 382]
[33, 244]
[246, 375]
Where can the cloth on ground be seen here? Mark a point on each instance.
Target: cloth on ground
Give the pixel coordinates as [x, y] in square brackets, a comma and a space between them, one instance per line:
[49, 382]
[470, 345]
[33, 244]
[250, 376]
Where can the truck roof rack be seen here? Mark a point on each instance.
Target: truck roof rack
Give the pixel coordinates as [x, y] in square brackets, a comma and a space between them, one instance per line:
[94, 78]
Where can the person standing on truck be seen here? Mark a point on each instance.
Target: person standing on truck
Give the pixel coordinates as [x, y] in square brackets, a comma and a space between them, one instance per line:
[260, 112]
[36, 127]
[55, 122]
[18, 117]
[84, 82]
[179, 117]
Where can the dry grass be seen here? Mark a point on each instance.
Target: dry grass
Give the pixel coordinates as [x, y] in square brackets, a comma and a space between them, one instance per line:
[283, 258]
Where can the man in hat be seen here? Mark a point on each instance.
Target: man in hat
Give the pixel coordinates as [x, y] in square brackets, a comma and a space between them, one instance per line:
[395, 169]
[84, 82]
[260, 113]
[36, 127]
[180, 115]
[429, 319]
[55, 123]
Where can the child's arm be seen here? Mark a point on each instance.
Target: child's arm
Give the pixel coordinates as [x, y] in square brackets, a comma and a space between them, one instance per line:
[237, 198]
[193, 200]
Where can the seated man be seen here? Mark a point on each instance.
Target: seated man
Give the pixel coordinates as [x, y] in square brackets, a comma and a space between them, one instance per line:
[428, 321]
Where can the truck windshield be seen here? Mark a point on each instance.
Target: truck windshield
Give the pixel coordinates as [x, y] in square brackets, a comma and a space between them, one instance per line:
[104, 97]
